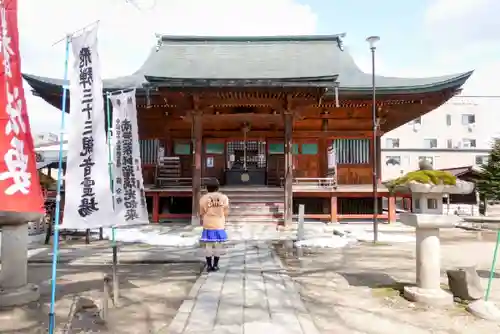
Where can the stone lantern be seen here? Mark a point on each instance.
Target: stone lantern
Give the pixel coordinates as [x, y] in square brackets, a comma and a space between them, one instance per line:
[14, 287]
[427, 188]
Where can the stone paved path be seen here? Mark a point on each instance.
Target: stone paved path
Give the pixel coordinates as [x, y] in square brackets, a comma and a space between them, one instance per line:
[251, 293]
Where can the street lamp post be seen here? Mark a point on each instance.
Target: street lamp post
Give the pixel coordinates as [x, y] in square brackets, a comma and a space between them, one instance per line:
[372, 40]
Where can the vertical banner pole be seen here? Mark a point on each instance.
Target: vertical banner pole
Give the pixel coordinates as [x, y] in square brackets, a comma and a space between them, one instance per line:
[57, 219]
[113, 229]
[493, 266]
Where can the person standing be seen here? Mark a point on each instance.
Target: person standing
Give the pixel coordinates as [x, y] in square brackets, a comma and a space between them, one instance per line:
[214, 208]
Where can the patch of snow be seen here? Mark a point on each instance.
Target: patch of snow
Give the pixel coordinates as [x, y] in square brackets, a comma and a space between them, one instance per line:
[361, 233]
[326, 242]
[384, 237]
[152, 237]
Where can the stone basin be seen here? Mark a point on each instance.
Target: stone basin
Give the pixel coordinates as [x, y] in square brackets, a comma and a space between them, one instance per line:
[428, 220]
[461, 187]
[492, 223]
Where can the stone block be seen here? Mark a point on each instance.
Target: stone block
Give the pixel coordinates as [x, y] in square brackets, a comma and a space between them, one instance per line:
[433, 297]
[230, 314]
[252, 314]
[465, 283]
[484, 310]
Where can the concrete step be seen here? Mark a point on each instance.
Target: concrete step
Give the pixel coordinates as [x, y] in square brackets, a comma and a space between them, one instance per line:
[258, 211]
[256, 200]
[249, 189]
[250, 219]
[256, 205]
[255, 195]
[239, 215]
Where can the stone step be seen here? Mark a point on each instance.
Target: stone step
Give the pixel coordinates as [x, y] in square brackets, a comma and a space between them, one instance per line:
[229, 190]
[253, 219]
[256, 205]
[255, 193]
[239, 215]
[264, 212]
[256, 200]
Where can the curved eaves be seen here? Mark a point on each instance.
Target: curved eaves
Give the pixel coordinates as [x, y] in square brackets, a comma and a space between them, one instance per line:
[392, 85]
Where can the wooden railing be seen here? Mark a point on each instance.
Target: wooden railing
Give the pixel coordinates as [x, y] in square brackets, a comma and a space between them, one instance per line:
[315, 182]
[174, 182]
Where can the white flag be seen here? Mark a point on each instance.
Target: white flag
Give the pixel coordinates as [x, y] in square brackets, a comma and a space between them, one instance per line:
[332, 163]
[88, 197]
[130, 199]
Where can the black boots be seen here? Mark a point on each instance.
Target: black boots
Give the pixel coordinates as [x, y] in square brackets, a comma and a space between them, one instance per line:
[213, 266]
[209, 263]
[216, 263]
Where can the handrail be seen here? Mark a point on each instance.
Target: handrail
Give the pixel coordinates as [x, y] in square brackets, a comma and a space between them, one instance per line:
[324, 182]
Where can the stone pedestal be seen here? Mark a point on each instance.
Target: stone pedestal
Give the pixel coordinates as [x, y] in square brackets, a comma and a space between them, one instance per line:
[428, 259]
[428, 289]
[14, 287]
[428, 218]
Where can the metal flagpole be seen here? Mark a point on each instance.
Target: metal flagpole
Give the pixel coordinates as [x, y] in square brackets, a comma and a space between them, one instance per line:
[493, 266]
[372, 40]
[58, 196]
[113, 229]
[374, 153]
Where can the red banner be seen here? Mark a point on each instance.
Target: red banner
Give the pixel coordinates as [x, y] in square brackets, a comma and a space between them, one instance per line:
[20, 189]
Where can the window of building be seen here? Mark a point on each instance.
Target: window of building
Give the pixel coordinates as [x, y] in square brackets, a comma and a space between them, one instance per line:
[393, 160]
[214, 148]
[310, 149]
[150, 150]
[429, 160]
[468, 119]
[392, 142]
[449, 143]
[469, 143]
[430, 143]
[432, 204]
[448, 120]
[279, 148]
[481, 159]
[352, 151]
[182, 149]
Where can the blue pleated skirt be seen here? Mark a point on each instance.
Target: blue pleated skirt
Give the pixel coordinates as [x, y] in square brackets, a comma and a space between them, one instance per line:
[213, 236]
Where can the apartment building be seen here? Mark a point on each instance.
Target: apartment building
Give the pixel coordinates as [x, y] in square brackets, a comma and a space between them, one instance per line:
[459, 133]
[45, 138]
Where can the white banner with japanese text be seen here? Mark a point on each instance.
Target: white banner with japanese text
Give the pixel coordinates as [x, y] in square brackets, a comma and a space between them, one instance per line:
[88, 198]
[332, 162]
[129, 194]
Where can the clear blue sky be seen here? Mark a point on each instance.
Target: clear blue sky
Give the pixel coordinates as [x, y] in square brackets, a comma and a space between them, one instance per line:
[398, 23]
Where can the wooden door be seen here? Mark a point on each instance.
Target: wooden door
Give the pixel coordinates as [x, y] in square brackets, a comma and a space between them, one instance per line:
[306, 159]
[214, 158]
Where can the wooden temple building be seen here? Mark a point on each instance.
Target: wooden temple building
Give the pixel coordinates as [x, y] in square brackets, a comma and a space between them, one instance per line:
[263, 116]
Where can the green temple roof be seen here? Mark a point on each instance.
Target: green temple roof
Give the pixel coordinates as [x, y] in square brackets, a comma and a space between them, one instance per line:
[287, 61]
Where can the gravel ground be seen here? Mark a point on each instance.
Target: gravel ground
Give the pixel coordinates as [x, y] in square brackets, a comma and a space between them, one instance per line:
[357, 289]
[149, 299]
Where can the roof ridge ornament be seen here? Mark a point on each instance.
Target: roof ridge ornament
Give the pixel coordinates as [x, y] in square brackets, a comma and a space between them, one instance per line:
[159, 42]
[340, 43]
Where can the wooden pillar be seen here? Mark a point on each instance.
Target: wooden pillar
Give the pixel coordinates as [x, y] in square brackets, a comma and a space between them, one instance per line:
[333, 209]
[391, 209]
[156, 207]
[196, 137]
[288, 168]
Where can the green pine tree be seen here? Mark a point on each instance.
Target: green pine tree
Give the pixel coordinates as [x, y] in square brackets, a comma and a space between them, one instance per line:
[489, 182]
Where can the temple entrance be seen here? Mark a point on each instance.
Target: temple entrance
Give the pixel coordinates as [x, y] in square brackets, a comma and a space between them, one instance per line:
[245, 163]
